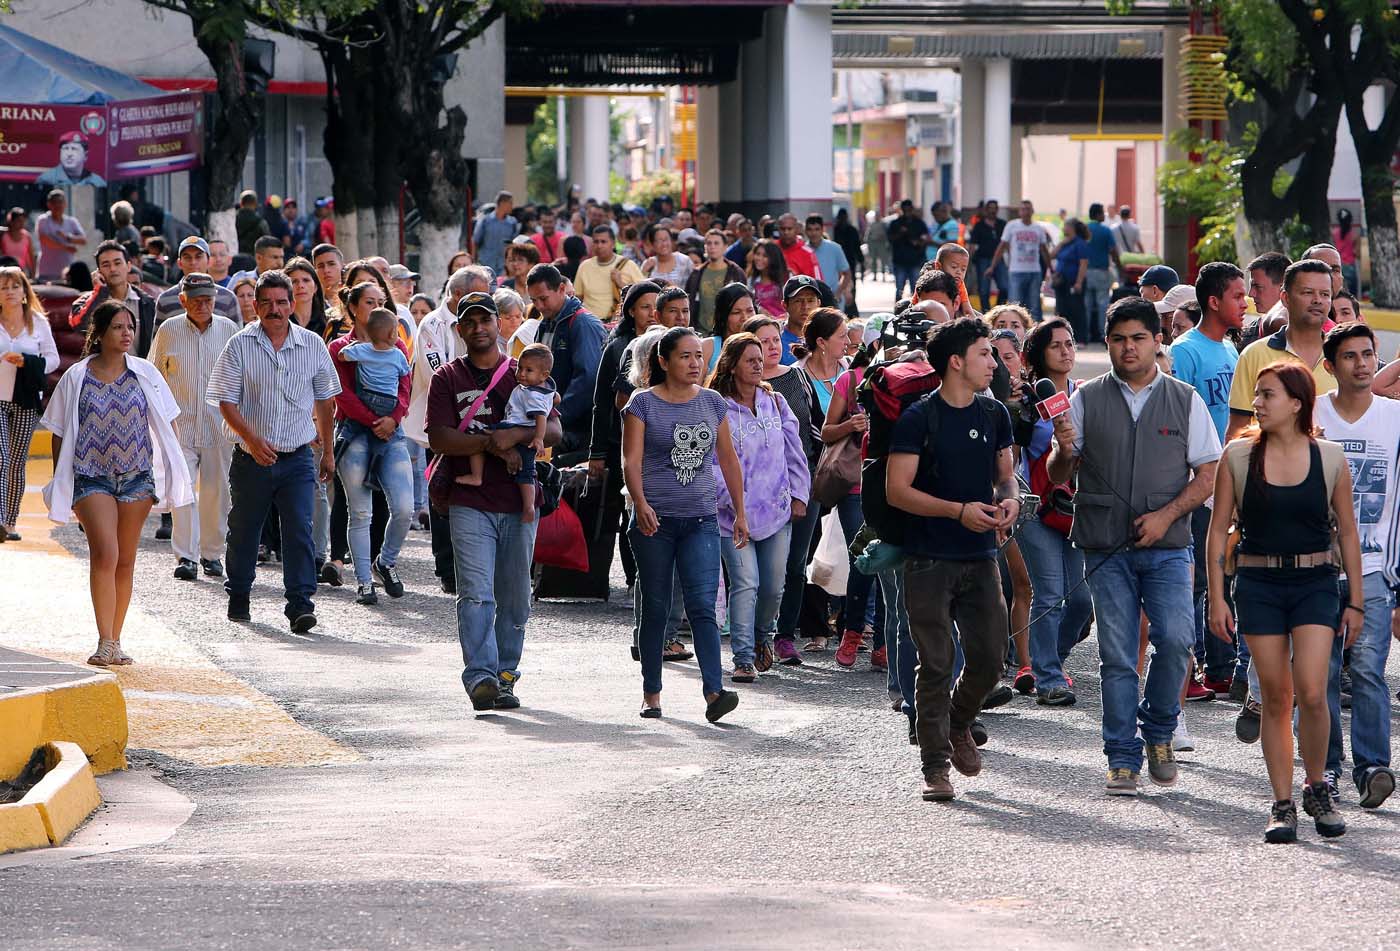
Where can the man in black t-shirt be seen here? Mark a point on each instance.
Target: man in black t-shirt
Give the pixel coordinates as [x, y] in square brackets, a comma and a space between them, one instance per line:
[983, 242]
[950, 469]
[908, 239]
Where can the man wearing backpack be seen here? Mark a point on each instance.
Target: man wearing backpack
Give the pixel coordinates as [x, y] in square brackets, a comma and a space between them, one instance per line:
[950, 470]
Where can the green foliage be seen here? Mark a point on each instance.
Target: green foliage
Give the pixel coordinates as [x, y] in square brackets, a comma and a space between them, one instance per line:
[1208, 190]
[542, 153]
[663, 181]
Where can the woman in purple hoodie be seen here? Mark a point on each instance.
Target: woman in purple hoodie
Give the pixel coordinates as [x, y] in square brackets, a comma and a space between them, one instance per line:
[776, 485]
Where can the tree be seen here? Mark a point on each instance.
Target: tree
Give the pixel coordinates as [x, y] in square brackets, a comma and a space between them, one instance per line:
[220, 30]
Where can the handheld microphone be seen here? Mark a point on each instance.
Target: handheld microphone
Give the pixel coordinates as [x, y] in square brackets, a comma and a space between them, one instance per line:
[1049, 402]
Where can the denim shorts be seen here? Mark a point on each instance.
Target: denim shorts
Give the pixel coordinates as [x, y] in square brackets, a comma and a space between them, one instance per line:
[124, 486]
[1275, 601]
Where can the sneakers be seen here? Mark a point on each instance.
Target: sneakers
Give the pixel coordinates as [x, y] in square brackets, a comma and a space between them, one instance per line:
[1283, 823]
[186, 570]
[880, 659]
[979, 733]
[1376, 787]
[850, 647]
[1317, 802]
[1161, 764]
[1239, 690]
[1024, 682]
[1122, 782]
[505, 691]
[213, 567]
[303, 622]
[238, 607]
[1056, 697]
[937, 787]
[743, 674]
[1196, 693]
[966, 759]
[1182, 741]
[1330, 778]
[1247, 722]
[1220, 688]
[483, 694]
[1000, 696]
[330, 575]
[389, 577]
[913, 733]
[366, 595]
[786, 651]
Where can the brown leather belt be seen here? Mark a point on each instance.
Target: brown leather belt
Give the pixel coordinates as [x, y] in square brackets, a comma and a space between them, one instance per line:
[1314, 560]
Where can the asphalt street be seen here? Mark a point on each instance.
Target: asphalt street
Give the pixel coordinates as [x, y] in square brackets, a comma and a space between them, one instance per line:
[572, 823]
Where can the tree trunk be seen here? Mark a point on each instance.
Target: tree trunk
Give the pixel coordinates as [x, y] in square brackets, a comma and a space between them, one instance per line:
[347, 231]
[232, 128]
[387, 217]
[220, 225]
[1259, 235]
[436, 245]
[1378, 190]
[368, 229]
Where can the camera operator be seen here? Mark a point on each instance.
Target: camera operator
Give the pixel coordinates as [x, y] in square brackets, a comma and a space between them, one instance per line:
[1061, 605]
[950, 469]
[1147, 451]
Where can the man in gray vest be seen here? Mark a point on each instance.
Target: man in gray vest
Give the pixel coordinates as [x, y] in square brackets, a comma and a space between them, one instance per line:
[1145, 449]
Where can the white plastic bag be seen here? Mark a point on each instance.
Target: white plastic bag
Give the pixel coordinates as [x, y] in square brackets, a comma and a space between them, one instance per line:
[831, 564]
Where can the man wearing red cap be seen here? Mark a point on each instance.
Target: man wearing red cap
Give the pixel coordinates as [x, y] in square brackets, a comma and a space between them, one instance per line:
[72, 165]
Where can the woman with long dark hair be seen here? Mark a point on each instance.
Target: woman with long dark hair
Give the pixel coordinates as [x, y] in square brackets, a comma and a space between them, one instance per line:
[1060, 602]
[734, 306]
[27, 345]
[308, 302]
[675, 438]
[768, 273]
[776, 488]
[110, 417]
[1288, 487]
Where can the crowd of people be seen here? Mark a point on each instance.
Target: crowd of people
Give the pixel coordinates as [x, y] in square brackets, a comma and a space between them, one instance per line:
[932, 486]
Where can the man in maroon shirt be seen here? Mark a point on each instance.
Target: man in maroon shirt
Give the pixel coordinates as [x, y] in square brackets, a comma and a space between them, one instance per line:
[799, 257]
[492, 547]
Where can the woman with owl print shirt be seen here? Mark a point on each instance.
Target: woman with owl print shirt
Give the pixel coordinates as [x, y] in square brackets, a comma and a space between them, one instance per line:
[675, 438]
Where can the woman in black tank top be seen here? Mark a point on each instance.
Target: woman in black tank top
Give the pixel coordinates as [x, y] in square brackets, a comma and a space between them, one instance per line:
[1286, 594]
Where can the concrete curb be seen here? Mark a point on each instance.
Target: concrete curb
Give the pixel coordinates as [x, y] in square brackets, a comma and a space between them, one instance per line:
[56, 806]
[89, 712]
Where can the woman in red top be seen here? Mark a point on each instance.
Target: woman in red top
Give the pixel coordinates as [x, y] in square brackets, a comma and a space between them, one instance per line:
[17, 242]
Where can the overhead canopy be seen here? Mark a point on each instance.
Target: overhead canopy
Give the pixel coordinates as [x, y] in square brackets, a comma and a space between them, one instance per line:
[32, 71]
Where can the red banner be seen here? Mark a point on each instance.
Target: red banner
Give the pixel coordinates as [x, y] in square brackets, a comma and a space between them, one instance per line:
[59, 146]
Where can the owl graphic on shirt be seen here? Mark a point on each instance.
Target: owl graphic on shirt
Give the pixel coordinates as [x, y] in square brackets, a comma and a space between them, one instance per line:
[690, 446]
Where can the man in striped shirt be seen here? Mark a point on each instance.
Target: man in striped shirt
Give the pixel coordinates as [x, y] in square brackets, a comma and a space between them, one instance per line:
[275, 386]
[184, 352]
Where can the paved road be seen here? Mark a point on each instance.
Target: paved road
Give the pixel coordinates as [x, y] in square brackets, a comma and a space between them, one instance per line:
[574, 824]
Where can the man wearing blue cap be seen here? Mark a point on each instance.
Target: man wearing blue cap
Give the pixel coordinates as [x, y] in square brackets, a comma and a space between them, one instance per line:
[1156, 281]
[194, 259]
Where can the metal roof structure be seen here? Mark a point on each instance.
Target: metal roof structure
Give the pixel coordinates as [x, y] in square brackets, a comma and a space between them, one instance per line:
[854, 50]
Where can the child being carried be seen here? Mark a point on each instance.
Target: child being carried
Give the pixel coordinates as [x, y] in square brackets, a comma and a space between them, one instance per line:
[528, 407]
[380, 364]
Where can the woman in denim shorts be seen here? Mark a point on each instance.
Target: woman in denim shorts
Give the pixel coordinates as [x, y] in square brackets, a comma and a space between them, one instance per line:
[110, 417]
[1287, 487]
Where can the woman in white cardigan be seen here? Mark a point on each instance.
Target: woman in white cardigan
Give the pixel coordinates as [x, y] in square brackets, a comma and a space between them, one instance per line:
[115, 455]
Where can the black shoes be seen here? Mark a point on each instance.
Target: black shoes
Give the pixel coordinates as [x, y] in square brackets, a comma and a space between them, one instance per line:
[330, 575]
[448, 583]
[213, 567]
[505, 692]
[366, 595]
[303, 622]
[484, 694]
[186, 570]
[1056, 697]
[238, 607]
[1000, 696]
[389, 577]
[724, 702]
[1376, 787]
[166, 526]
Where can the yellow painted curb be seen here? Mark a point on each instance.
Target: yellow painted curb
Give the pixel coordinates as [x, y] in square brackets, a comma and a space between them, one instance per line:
[41, 444]
[1381, 319]
[60, 802]
[90, 713]
[67, 794]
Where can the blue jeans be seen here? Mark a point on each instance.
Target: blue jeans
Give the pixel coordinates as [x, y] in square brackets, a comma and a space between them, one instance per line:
[1370, 697]
[905, 274]
[1126, 584]
[1025, 290]
[1057, 574]
[394, 472]
[692, 545]
[903, 659]
[795, 585]
[491, 555]
[290, 484]
[756, 574]
[419, 455]
[984, 284]
[857, 583]
[320, 514]
[1097, 282]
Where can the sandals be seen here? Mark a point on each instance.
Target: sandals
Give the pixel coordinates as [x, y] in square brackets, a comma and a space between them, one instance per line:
[816, 645]
[108, 654]
[763, 657]
[675, 649]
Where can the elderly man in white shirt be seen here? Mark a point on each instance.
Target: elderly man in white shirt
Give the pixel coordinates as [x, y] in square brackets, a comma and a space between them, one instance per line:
[184, 352]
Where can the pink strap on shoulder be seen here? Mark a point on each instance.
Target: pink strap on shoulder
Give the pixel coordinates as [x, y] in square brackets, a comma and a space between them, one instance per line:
[500, 373]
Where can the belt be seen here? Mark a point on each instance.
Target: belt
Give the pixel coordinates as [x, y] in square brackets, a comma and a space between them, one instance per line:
[238, 447]
[1314, 560]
